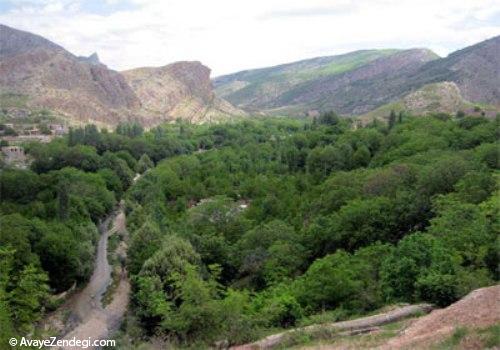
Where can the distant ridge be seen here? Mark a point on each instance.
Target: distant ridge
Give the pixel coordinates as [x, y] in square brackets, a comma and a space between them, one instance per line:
[367, 82]
[362, 81]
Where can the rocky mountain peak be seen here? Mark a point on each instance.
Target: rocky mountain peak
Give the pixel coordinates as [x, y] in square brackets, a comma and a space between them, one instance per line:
[14, 42]
[92, 59]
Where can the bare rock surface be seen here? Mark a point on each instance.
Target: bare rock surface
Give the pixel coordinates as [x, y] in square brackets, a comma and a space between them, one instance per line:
[179, 90]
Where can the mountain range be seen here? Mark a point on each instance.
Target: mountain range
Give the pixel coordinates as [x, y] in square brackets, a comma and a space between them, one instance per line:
[362, 82]
[366, 83]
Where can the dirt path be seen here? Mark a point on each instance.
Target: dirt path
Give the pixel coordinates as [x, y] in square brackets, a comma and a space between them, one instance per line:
[83, 315]
[88, 300]
[91, 318]
[82, 304]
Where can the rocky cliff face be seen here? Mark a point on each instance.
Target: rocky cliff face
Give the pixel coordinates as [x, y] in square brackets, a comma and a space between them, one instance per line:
[83, 89]
[179, 90]
[86, 91]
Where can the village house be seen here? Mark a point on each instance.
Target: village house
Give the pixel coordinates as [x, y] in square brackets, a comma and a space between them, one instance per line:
[31, 130]
[57, 129]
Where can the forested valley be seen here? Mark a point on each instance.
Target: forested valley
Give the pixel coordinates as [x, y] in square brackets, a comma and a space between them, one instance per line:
[245, 227]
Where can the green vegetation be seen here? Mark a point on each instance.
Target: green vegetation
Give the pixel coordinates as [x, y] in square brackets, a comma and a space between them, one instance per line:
[485, 338]
[48, 219]
[282, 220]
[13, 100]
[247, 227]
[344, 63]
[23, 116]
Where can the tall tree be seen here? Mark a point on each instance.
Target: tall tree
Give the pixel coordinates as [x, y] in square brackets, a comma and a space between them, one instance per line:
[392, 119]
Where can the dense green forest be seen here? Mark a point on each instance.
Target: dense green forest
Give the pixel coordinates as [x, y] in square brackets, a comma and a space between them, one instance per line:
[240, 228]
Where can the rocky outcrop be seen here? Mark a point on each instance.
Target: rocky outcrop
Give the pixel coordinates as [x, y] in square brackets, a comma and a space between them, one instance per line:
[179, 90]
[442, 97]
[92, 59]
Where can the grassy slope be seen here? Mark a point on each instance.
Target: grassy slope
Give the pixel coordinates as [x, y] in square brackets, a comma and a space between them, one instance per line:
[283, 77]
[9, 100]
[344, 64]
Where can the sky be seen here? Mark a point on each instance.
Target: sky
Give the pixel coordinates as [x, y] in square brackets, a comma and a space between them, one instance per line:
[232, 35]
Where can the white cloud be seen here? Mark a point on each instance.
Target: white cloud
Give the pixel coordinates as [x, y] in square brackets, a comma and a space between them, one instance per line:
[230, 35]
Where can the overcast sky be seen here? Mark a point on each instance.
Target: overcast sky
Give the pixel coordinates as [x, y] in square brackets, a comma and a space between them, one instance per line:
[231, 35]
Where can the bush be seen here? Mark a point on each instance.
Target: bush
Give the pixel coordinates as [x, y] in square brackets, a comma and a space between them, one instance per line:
[328, 283]
[415, 268]
[282, 310]
[438, 288]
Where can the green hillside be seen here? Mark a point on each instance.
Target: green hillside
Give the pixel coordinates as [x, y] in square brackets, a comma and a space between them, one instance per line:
[360, 82]
[251, 85]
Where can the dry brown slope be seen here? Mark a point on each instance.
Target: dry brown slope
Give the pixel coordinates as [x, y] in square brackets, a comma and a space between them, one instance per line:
[480, 308]
[85, 91]
[53, 78]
